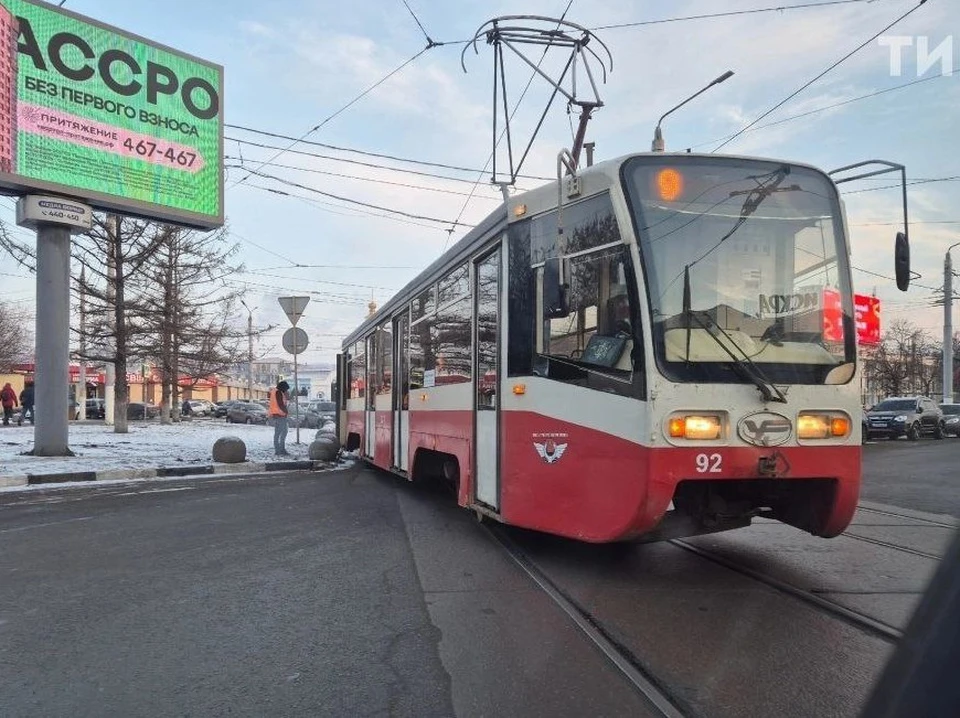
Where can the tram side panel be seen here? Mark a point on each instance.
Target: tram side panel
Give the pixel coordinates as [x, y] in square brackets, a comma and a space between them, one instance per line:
[441, 429]
[572, 463]
[383, 428]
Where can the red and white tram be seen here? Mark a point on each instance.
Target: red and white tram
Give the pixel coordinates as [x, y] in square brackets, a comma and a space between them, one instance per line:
[642, 349]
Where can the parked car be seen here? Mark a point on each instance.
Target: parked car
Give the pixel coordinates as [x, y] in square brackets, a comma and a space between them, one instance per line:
[910, 416]
[96, 409]
[201, 407]
[245, 412]
[221, 407]
[326, 410]
[951, 419]
[140, 410]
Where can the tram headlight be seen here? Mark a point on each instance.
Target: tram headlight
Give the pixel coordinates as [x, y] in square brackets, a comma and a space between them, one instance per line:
[697, 427]
[822, 425]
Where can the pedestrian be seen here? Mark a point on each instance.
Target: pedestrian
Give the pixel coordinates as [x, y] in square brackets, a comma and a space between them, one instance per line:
[186, 409]
[278, 412]
[26, 401]
[8, 397]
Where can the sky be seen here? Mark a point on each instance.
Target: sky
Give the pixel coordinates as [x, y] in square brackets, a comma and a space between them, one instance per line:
[300, 68]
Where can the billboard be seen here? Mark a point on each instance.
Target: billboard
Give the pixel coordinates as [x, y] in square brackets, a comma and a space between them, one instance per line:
[98, 114]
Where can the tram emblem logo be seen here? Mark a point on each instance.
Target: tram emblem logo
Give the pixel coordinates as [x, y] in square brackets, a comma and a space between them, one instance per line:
[549, 450]
[765, 428]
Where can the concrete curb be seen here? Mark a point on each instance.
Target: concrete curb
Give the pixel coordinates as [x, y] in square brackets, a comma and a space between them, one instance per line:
[246, 467]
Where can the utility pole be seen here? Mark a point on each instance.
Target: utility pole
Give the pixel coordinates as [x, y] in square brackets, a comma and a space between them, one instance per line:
[249, 351]
[948, 326]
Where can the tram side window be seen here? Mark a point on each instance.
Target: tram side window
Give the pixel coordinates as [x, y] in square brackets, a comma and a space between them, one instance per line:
[421, 346]
[593, 345]
[384, 359]
[452, 338]
[357, 371]
[372, 369]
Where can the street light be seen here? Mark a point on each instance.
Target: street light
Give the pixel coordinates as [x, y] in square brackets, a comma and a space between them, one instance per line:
[658, 143]
[249, 351]
[948, 326]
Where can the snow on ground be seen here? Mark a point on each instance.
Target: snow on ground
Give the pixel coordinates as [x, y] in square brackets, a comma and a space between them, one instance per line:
[148, 445]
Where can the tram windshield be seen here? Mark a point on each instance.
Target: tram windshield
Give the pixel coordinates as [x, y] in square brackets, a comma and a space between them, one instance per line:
[745, 264]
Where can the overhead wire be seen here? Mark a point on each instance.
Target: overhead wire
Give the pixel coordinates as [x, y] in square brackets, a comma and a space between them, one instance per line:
[807, 84]
[371, 165]
[831, 106]
[369, 205]
[365, 153]
[729, 13]
[340, 175]
[342, 109]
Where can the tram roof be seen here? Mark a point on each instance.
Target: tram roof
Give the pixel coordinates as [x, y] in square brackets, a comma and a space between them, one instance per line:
[595, 178]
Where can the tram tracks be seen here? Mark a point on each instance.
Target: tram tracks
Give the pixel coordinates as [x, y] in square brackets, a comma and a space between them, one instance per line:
[853, 618]
[659, 698]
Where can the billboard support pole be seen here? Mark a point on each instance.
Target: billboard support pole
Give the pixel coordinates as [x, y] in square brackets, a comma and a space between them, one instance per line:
[54, 219]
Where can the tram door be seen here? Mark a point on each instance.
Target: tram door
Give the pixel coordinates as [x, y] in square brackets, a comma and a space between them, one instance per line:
[401, 391]
[370, 399]
[486, 377]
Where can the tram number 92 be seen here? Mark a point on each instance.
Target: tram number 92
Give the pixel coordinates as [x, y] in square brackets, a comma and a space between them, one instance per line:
[709, 463]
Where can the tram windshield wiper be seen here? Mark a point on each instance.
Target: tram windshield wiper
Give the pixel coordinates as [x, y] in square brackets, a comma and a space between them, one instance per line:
[743, 365]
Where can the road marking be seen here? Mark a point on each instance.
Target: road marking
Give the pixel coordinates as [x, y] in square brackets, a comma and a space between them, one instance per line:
[163, 491]
[51, 523]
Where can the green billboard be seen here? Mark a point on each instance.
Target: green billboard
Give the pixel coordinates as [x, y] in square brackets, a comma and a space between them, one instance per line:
[95, 113]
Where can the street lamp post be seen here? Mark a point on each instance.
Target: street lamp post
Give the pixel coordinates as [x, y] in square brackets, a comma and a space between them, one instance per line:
[658, 143]
[948, 326]
[249, 351]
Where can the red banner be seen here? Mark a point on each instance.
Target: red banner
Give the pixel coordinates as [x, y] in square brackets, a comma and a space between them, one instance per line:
[867, 313]
[866, 317]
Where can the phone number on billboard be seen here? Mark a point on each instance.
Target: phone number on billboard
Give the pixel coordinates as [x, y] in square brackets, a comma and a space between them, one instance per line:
[152, 150]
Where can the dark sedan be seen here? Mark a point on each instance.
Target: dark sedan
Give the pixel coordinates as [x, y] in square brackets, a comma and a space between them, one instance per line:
[244, 412]
[951, 419]
[139, 410]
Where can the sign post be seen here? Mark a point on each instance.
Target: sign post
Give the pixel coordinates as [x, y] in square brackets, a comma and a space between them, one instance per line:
[294, 341]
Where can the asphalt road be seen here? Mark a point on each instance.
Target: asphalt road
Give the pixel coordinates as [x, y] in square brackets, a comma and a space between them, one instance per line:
[921, 475]
[345, 593]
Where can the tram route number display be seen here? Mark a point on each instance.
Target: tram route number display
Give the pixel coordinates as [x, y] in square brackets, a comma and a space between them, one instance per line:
[95, 113]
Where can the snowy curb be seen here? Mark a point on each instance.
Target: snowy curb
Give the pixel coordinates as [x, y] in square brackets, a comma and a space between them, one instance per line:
[246, 467]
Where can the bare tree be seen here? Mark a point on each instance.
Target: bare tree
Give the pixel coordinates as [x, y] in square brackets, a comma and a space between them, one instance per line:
[115, 253]
[190, 314]
[16, 340]
[907, 361]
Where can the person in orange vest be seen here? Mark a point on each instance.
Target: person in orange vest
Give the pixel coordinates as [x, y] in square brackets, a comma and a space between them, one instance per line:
[278, 411]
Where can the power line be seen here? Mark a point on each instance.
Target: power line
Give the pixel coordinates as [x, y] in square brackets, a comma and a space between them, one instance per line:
[365, 153]
[344, 108]
[732, 13]
[356, 202]
[354, 177]
[954, 178]
[430, 42]
[372, 165]
[832, 106]
[810, 82]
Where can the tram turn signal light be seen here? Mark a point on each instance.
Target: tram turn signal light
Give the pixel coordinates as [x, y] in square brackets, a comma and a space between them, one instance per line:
[695, 427]
[822, 426]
